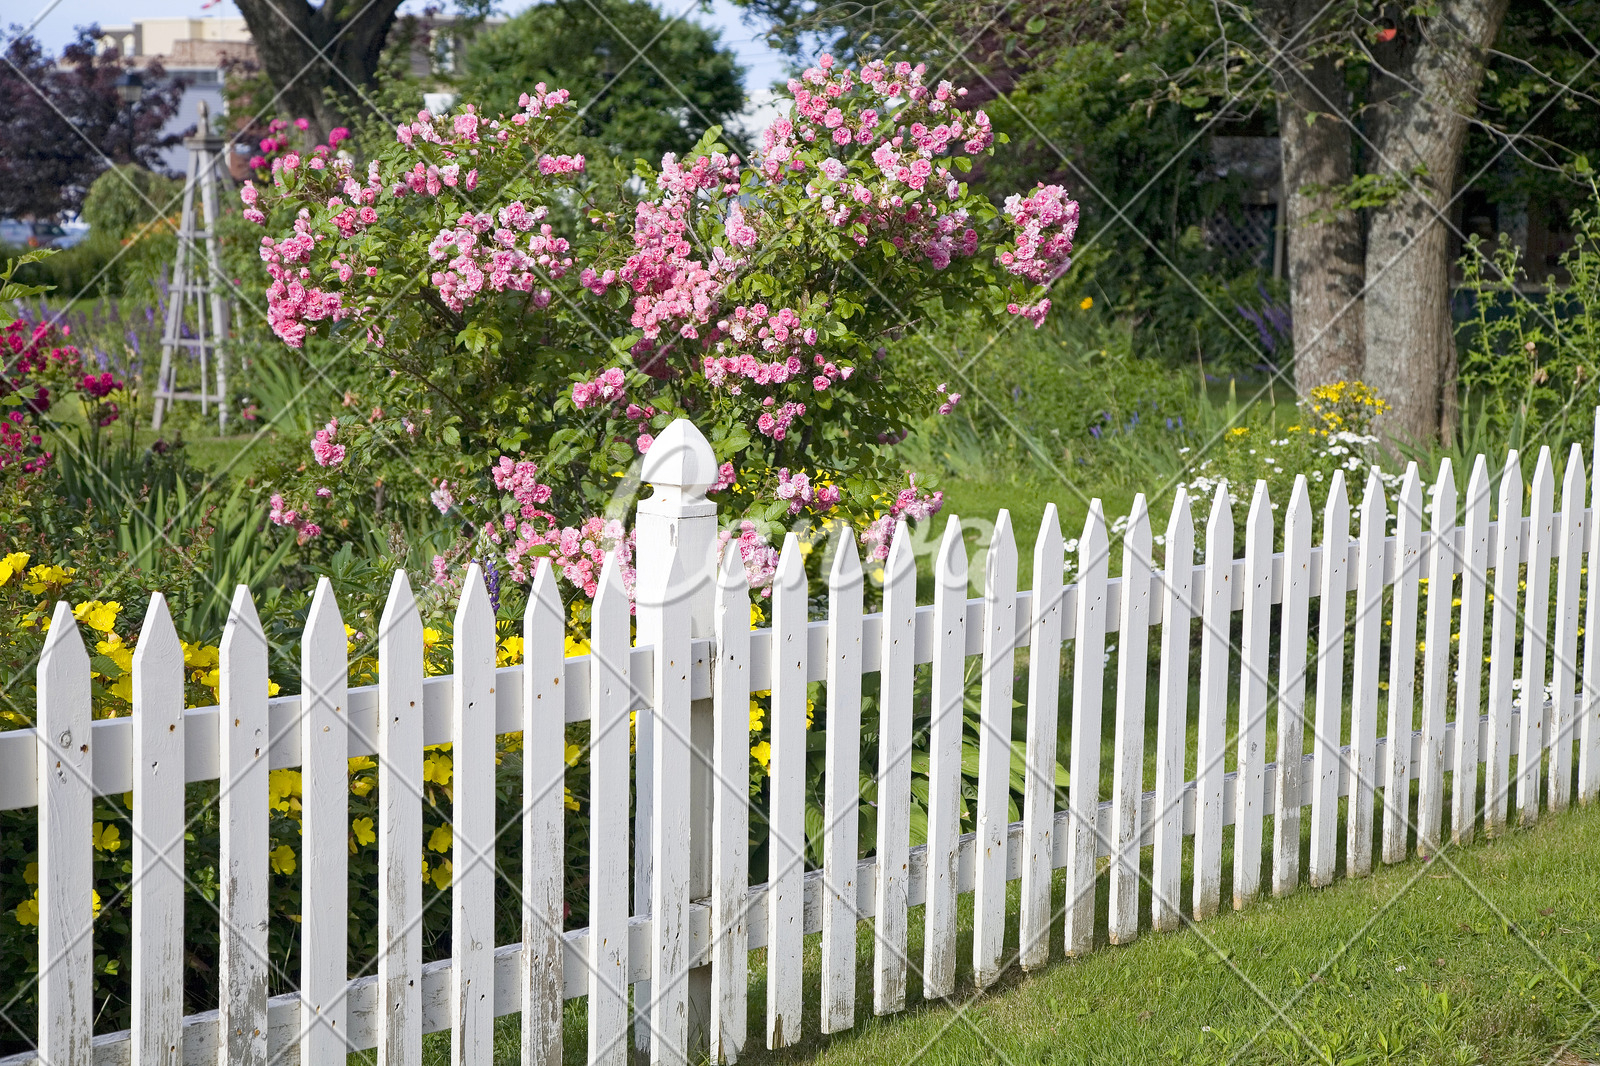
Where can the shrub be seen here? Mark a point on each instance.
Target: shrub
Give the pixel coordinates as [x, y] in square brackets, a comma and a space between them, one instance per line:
[535, 366]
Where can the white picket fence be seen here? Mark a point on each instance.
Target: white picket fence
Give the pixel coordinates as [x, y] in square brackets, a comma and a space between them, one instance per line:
[683, 948]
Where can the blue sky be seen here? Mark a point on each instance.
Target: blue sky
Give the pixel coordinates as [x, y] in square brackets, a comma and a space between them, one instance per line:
[54, 22]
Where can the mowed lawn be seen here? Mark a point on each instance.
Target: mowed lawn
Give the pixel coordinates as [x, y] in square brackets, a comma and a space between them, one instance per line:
[1486, 954]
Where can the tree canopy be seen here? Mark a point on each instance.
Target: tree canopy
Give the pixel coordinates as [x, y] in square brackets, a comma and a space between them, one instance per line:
[647, 83]
[62, 123]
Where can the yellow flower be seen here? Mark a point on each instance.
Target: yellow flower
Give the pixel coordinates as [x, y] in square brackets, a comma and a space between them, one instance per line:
[283, 860]
[362, 785]
[441, 875]
[510, 652]
[46, 576]
[1086, 303]
[577, 646]
[440, 840]
[30, 873]
[362, 832]
[28, 910]
[12, 564]
[117, 651]
[430, 638]
[106, 837]
[756, 714]
[283, 791]
[1238, 431]
[761, 753]
[571, 801]
[437, 767]
[98, 615]
[573, 754]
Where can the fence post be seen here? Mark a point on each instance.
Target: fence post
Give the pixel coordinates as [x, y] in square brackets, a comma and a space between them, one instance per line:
[680, 467]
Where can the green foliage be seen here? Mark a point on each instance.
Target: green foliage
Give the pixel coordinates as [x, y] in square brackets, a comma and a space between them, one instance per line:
[124, 200]
[1530, 361]
[637, 104]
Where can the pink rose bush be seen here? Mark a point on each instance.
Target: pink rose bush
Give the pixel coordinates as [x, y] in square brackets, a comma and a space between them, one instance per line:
[527, 334]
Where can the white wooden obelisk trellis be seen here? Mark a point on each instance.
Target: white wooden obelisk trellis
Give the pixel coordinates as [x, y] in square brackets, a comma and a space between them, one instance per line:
[196, 328]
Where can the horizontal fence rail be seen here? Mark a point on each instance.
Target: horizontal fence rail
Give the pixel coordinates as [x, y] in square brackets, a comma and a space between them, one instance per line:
[681, 942]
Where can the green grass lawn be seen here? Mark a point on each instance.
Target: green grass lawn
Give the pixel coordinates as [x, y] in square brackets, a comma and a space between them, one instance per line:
[1487, 955]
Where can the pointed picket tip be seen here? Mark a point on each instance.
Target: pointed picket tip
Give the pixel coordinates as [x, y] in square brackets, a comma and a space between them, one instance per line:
[610, 594]
[1049, 527]
[544, 595]
[1337, 489]
[1442, 501]
[791, 572]
[1137, 536]
[158, 639]
[400, 605]
[952, 564]
[63, 645]
[1574, 462]
[1219, 526]
[1478, 479]
[846, 569]
[1180, 519]
[1544, 469]
[323, 620]
[730, 575]
[474, 608]
[680, 464]
[1513, 465]
[242, 619]
[1260, 505]
[902, 557]
[1002, 534]
[1374, 496]
[1299, 497]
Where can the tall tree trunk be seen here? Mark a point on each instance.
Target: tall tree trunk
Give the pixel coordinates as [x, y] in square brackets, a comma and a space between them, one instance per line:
[1418, 130]
[306, 50]
[1326, 261]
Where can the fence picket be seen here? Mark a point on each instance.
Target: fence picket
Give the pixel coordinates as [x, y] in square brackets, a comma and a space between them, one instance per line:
[1127, 779]
[662, 606]
[786, 841]
[472, 826]
[944, 761]
[1088, 673]
[543, 820]
[1327, 756]
[1172, 716]
[66, 854]
[324, 829]
[243, 842]
[1255, 654]
[609, 698]
[1216, 617]
[400, 827]
[1292, 690]
[842, 787]
[1039, 784]
[1402, 666]
[1364, 679]
[730, 860]
[698, 697]
[1535, 637]
[897, 676]
[1563, 672]
[1436, 662]
[994, 751]
[1469, 654]
[158, 828]
[1502, 648]
[1588, 728]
